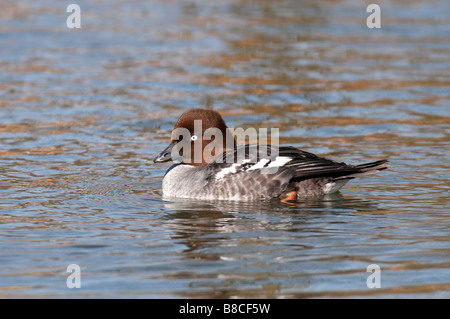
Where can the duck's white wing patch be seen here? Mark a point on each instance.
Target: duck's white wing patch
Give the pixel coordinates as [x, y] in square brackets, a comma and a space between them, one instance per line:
[262, 162]
[280, 161]
[227, 170]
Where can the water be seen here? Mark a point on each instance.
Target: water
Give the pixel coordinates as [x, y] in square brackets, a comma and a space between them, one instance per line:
[83, 112]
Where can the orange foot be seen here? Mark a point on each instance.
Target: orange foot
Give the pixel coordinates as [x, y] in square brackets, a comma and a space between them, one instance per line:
[291, 196]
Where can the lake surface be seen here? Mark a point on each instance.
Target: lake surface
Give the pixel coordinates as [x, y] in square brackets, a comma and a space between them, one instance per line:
[84, 111]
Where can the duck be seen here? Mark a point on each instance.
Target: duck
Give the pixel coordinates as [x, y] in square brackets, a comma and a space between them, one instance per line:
[209, 164]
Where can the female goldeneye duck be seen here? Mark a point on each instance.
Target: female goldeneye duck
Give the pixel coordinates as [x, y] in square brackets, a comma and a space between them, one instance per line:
[209, 165]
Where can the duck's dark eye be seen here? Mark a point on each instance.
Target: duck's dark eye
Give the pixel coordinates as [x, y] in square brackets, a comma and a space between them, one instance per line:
[194, 137]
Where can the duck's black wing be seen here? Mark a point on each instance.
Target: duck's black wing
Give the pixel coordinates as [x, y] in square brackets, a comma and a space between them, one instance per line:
[304, 165]
[308, 165]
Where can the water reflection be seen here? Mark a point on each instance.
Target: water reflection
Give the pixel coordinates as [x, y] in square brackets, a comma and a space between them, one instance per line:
[212, 223]
[248, 242]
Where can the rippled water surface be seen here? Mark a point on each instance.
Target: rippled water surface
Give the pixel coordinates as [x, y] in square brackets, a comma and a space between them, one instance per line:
[83, 112]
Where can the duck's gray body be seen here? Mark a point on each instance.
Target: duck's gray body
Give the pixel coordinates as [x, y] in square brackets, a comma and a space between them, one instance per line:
[291, 172]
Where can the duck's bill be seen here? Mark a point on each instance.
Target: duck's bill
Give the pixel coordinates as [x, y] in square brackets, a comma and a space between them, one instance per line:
[165, 155]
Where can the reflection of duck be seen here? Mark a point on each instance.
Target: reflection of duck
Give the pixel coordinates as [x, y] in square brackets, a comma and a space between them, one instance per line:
[246, 172]
[205, 226]
[335, 200]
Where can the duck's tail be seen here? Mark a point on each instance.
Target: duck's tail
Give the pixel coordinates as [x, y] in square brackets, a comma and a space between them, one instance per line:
[366, 169]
